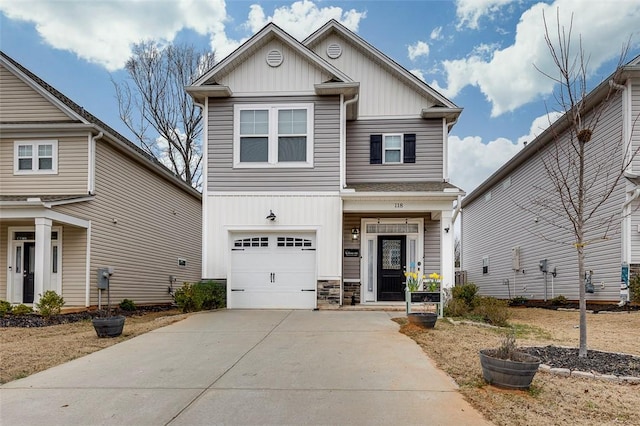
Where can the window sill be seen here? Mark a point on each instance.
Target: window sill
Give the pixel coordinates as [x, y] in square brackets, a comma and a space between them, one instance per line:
[284, 165]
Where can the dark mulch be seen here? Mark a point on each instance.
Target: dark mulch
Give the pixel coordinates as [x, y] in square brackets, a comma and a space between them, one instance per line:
[594, 307]
[596, 361]
[36, 320]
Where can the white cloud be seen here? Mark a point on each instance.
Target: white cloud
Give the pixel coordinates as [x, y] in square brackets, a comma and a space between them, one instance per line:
[303, 17]
[508, 79]
[471, 161]
[418, 73]
[419, 48]
[470, 11]
[436, 33]
[102, 33]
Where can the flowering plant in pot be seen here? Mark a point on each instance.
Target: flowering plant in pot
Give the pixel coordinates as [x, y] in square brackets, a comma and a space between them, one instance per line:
[507, 366]
[416, 293]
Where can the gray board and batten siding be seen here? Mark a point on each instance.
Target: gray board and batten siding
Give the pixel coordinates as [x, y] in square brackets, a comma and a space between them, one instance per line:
[428, 165]
[503, 217]
[323, 176]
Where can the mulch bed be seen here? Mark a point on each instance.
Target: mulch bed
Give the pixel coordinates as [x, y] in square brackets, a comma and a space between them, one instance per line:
[593, 307]
[596, 361]
[36, 320]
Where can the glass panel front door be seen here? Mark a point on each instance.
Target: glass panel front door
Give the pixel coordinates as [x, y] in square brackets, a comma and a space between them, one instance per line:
[391, 267]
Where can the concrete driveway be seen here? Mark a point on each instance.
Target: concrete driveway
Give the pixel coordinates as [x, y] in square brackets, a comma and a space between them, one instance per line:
[247, 368]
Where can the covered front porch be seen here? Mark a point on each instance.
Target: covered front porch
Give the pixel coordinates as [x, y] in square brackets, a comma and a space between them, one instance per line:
[386, 234]
[42, 249]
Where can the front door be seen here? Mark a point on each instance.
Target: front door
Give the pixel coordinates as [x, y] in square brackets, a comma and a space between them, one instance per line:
[28, 267]
[391, 267]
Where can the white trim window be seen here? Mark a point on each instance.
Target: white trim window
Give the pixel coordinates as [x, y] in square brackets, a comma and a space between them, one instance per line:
[35, 157]
[392, 148]
[279, 135]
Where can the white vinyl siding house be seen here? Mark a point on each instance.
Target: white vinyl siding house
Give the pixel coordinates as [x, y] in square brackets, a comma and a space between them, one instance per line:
[523, 250]
[289, 159]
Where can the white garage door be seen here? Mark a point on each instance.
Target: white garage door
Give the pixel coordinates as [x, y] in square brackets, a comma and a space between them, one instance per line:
[272, 271]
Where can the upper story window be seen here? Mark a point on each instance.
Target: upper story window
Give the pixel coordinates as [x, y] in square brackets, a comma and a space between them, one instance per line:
[392, 148]
[39, 157]
[273, 135]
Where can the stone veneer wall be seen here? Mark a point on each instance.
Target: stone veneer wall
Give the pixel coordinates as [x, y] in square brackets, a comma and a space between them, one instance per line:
[328, 292]
[351, 289]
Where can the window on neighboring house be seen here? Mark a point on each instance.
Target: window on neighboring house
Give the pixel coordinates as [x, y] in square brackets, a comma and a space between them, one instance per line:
[273, 135]
[485, 265]
[393, 148]
[35, 157]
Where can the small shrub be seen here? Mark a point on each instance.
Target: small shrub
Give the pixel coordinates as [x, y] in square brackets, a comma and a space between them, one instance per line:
[127, 305]
[559, 300]
[5, 308]
[518, 301]
[200, 296]
[492, 311]
[634, 289]
[21, 309]
[466, 292]
[456, 308]
[507, 347]
[50, 303]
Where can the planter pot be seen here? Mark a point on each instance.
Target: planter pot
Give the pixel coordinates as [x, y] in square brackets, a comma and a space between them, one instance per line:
[108, 327]
[507, 373]
[423, 319]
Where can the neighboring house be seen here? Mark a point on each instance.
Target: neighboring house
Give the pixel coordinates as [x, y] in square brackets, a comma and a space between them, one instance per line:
[507, 246]
[325, 172]
[76, 196]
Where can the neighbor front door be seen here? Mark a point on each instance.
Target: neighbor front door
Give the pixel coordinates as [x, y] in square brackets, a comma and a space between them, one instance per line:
[391, 267]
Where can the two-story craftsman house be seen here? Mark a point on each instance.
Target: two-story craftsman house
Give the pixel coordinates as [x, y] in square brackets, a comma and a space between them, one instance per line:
[76, 196]
[326, 172]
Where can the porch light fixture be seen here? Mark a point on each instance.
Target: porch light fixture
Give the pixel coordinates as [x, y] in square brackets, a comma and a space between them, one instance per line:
[446, 229]
[271, 216]
[355, 234]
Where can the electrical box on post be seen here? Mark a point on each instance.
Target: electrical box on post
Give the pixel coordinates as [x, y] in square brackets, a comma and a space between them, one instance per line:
[515, 258]
[103, 277]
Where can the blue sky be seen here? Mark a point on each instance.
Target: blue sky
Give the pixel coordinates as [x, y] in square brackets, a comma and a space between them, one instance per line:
[478, 53]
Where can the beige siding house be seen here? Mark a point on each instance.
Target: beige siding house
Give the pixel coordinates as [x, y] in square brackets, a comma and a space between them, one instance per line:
[76, 196]
[326, 173]
[512, 248]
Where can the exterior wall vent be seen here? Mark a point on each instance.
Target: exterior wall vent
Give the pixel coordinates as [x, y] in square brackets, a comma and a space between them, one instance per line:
[334, 50]
[274, 58]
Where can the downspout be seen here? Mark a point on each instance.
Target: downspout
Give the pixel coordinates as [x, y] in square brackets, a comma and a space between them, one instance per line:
[92, 162]
[205, 229]
[457, 210]
[91, 190]
[626, 235]
[343, 141]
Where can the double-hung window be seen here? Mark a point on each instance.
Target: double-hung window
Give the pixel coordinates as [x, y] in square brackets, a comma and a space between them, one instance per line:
[36, 157]
[273, 135]
[392, 148]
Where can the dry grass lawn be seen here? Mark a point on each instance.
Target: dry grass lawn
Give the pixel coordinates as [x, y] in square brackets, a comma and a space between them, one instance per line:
[552, 400]
[24, 351]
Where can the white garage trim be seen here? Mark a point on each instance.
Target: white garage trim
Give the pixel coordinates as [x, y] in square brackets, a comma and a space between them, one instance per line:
[274, 269]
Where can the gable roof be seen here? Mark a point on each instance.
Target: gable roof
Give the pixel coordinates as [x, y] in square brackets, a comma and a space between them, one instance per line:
[207, 83]
[80, 117]
[392, 66]
[598, 95]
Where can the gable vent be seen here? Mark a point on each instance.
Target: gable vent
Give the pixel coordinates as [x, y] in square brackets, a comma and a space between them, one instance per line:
[274, 58]
[334, 50]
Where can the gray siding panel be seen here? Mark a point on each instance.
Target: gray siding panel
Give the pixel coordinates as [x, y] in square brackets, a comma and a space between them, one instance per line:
[324, 176]
[428, 165]
[156, 223]
[492, 227]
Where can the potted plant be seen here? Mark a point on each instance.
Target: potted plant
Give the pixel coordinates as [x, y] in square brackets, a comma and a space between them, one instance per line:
[108, 325]
[415, 293]
[508, 367]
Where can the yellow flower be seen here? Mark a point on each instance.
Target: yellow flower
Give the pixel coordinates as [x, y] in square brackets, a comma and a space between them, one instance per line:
[434, 276]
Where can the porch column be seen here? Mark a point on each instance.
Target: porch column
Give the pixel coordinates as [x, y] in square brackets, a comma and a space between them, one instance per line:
[42, 270]
[446, 249]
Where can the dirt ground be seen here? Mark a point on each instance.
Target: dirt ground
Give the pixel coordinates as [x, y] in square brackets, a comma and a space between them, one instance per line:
[24, 351]
[552, 400]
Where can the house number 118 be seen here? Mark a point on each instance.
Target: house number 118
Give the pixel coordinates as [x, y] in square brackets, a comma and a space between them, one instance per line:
[398, 205]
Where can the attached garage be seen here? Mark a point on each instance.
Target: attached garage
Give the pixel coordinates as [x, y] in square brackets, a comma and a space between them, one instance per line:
[272, 271]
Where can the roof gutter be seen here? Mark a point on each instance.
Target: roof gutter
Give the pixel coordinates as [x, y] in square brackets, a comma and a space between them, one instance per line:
[343, 140]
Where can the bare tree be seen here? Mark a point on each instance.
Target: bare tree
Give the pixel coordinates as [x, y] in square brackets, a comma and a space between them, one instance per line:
[456, 251]
[580, 175]
[154, 105]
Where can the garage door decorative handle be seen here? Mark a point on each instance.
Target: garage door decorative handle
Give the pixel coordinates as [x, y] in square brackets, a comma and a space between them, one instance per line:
[308, 289]
[273, 277]
[237, 289]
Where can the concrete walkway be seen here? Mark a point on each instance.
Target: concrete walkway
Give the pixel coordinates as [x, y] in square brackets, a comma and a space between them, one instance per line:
[247, 368]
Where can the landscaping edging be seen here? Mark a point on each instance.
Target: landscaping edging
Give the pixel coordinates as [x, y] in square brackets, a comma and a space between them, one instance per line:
[565, 372]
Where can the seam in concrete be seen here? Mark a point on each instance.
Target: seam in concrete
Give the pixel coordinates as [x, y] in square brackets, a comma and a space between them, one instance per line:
[227, 370]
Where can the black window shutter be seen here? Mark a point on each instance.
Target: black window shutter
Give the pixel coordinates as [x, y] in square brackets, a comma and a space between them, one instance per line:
[375, 154]
[410, 148]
